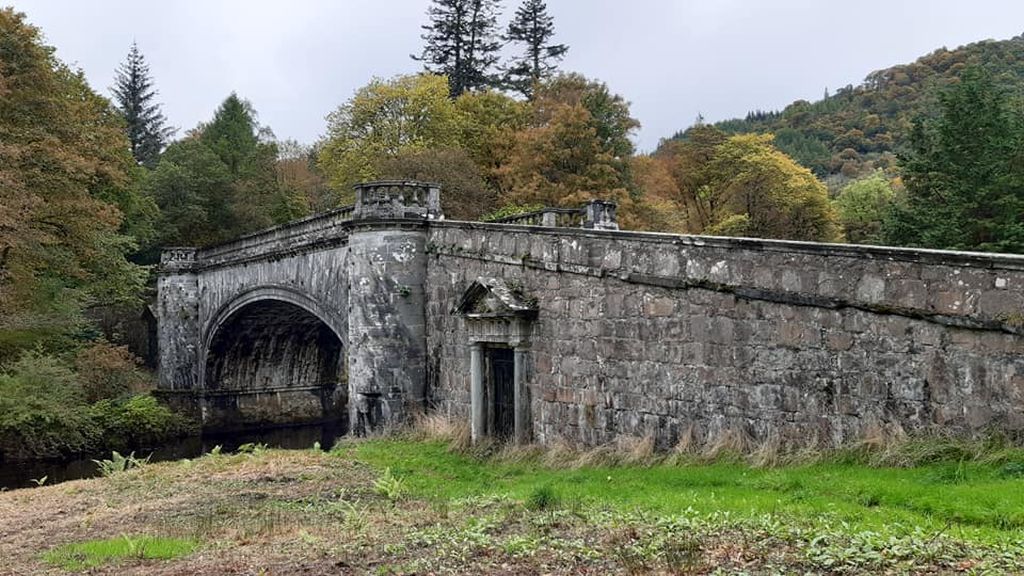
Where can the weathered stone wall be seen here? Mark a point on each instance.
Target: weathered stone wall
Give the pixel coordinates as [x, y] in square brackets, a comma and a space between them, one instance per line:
[650, 334]
[259, 372]
[387, 356]
[635, 333]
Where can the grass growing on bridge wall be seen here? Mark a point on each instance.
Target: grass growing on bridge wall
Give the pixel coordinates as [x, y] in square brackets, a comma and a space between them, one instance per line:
[405, 506]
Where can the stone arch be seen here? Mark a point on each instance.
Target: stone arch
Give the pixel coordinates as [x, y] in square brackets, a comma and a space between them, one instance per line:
[334, 321]
[273, 355]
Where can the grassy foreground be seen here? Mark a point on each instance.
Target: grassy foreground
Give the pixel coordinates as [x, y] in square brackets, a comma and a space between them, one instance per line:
[415, 507]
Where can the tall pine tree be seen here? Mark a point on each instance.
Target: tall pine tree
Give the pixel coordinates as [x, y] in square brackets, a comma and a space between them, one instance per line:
[963, 172]
[462, 43]
[533, 27]
[133, 90]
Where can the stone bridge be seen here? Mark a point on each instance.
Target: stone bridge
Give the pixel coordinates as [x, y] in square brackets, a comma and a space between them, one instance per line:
[557, 325]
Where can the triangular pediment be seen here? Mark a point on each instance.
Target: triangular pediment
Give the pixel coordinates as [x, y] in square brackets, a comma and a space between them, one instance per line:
[492, 298]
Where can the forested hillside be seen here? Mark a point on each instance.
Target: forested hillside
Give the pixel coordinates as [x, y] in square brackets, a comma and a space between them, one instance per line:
[859, 129]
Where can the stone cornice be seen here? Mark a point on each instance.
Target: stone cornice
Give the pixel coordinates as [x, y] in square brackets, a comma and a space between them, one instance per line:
[984, 260]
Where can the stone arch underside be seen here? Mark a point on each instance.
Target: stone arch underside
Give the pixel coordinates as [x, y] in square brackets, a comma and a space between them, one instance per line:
[273, 362]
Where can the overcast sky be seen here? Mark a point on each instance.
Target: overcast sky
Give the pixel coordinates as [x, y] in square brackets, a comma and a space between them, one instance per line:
[296, 60]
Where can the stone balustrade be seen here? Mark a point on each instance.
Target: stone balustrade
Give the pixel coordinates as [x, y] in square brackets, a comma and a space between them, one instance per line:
[397, 199]
[596, 214]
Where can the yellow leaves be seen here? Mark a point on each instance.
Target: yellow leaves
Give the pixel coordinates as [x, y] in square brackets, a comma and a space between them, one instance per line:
[743, 185]
[383, 119]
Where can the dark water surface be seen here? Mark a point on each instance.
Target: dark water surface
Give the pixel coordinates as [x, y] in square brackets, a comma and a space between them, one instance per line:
[21, 474]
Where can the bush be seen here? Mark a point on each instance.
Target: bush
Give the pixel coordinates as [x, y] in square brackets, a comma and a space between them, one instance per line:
[108, 371]
[40, 414]
[44, 412]
[138, 422]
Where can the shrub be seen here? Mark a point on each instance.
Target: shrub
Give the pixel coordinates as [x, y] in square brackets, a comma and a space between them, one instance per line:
[40, 410]
[108, 371]
[44, 411]
[138, 422]
[543, 498]
[389, 486]
[118, 463]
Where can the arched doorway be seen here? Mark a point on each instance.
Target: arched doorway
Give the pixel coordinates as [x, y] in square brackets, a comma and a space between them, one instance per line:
[272, 362]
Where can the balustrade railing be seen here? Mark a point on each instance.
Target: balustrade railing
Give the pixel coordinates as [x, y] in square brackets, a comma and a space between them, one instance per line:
[596, 214]
[397, 199]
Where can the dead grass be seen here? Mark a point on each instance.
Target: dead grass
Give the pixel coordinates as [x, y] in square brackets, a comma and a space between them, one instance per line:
[880, 446]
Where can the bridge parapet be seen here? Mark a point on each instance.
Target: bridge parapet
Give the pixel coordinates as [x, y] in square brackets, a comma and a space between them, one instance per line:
[398, 199]
[178, 259]
[596, 214]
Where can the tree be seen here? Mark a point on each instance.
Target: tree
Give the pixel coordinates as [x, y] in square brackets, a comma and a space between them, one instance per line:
[762, 193]
[576, 147]
[462, 43]
[689, 162]
[744, 186]
[609, 113]
[233, 134]
[192, 186]
[134, 93]
[655, 205]
[301, 181]
[562, 162]
[488, 123]
[65, 169]
[533, 27]
[863, 206]
[465, 194]
[221, 181]
[963, 174]
[382, 120]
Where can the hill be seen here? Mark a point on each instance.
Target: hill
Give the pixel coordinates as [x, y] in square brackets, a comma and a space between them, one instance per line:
[860, 128]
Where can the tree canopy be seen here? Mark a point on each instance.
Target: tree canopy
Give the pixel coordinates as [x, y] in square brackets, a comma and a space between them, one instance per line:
[462, 43]
[533, 28]
[964, 175]
[65, 174]
[222, 181]
[383, 119]
[743, 186]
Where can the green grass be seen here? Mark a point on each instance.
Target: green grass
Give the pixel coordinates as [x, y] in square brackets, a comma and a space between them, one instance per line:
[83, 555]
[971, 501]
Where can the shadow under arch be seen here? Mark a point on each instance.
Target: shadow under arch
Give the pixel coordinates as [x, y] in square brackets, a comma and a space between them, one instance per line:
[273, 356]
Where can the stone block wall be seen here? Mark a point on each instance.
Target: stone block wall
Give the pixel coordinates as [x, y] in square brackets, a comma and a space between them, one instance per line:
[670, 336]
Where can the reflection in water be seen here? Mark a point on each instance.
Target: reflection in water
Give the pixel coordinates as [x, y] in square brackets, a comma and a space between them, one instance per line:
[21, 474]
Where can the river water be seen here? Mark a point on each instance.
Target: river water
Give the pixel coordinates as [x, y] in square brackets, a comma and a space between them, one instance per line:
[23, 474]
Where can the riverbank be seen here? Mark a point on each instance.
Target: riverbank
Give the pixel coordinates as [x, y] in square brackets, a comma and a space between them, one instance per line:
[408, 506]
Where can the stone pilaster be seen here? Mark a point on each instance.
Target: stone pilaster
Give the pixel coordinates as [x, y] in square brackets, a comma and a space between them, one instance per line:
[177, 313]
[387, 334]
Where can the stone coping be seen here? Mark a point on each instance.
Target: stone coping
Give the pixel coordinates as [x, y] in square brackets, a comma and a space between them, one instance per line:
[314, 223]
[987, 260]
[341, 218]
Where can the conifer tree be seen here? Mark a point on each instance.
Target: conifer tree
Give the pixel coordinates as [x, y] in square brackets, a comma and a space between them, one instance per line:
[462, 43]
[533, 27]
[133, 90]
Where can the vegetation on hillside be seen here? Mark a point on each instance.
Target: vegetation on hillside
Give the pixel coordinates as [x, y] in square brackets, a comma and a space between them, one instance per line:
[52, 407]
[860, 129]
